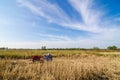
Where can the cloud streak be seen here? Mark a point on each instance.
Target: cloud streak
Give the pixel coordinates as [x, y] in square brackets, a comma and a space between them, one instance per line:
[54, 37]
[54, 14]
[91, 16]
[92, 21]
[51, 12]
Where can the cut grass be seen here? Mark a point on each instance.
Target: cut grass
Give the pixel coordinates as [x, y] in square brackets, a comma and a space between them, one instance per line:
[65, 68]
[25, 54]
[66, 65]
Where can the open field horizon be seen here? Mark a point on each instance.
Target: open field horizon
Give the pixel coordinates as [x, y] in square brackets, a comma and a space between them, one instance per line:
[83, 37]
[66, 65]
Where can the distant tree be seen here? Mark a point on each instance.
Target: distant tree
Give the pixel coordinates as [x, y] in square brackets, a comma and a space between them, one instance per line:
[3, 48]
[43, 47]
[96, 48]
[112, 48]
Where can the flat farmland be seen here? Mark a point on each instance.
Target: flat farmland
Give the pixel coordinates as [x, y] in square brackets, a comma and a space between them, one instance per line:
[66, 65]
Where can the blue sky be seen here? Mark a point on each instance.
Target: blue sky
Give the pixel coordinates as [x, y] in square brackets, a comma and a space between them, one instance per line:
[59, 23]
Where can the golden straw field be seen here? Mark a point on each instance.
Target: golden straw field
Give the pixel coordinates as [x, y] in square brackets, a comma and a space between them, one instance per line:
[66, 65]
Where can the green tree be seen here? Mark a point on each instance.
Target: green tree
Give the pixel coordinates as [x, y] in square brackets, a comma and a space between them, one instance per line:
[112, 48]
[96, 48]
[43, 48]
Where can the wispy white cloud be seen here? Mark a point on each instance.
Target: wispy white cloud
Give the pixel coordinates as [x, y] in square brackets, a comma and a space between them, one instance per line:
[54, 14]
[117, 20]
[89, 15]
[82, 43]
[92, 17]
[54, 37]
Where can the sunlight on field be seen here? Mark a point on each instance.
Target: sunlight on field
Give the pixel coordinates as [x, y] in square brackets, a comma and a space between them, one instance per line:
[117, 53]
[66, 65]
[64, 68]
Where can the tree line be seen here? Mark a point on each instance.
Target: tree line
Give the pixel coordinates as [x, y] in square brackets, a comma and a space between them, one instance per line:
[94, 48]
